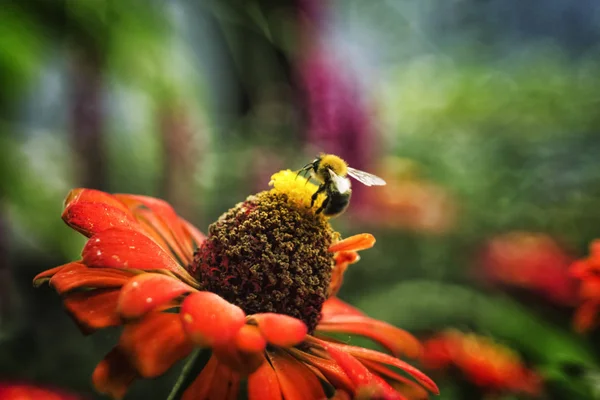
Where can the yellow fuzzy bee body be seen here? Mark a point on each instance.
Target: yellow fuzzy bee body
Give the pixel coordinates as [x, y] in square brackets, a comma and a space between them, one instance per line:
[332, 171]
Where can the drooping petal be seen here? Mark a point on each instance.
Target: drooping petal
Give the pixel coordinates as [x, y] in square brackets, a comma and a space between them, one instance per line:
[121, 248]
[155, 343]
[95, 309]
[358, 373]
[362, 378]
[197, 237]
[359, 242]
[200, 387]
[216, 381]
[91, 211]
[78, 276]
[45, 276]
[333, 307]
[330, 369]
[342, 260]
[396, 340]
[241, 361]
[263, 383]
[225, 384]
[281, 330]
[113, 375]
[250, 340]
[384, 391]
[161, 221]
[209, 320]
[148, 291]
[296, 380]
[388, 374]
[367, 354]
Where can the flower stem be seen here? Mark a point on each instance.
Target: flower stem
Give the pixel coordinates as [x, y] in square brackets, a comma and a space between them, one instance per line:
[191, 369]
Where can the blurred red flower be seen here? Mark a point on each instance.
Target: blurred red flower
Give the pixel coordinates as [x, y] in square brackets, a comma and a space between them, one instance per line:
[587, 271]
[533, 261]
[482, 361]
[174, 289]
[28, 391]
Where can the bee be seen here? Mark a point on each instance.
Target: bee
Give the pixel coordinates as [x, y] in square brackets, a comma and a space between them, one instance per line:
[331, 171]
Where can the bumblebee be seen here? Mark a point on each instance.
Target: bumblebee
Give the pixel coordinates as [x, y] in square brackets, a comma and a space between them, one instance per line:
[331, 171]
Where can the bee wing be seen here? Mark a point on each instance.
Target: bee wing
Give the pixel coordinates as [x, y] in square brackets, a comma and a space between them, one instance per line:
[365, 178]
[341, 184]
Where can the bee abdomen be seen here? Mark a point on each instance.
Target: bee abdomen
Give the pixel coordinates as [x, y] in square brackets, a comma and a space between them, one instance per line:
[337, 203]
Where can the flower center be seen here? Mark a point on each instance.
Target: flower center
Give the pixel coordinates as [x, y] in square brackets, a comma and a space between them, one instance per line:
[269, 253]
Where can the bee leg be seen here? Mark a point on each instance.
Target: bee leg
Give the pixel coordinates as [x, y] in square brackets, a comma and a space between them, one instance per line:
[323, 205]
[316, 194]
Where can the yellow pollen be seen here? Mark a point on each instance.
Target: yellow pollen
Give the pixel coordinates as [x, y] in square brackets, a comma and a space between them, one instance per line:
[298, 189]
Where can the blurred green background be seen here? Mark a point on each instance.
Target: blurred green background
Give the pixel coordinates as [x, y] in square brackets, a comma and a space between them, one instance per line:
[482, 115]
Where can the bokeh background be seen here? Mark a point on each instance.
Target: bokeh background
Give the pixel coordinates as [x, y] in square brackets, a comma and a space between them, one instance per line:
[481, 115]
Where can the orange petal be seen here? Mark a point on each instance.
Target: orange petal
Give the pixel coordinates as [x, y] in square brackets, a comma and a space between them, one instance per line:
[358, 373]
[333, 307]
[346, 257]
[121, 248]
[296, 380]
[161, 221]
[155, 343]
[45, 276]
[78, 276]
[200, 387]
[92, 218]
[396, 340]
[590, 288]
[281, 330]
[250, 340]
[209, 320]
[361, 376]
[197, 237]
[263, 383]
[93, 196]
[359, 242]
[225, 384]
[585, 316]
[95, 309]
[388, 374]
[216, 381]
[90, 211]
[367, 354]
[330, 369]
[337, 279]
[384, 390]
[113, 375]
[146, 292]
[243, 362]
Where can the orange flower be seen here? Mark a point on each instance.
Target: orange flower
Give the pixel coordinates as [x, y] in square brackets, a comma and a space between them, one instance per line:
[587, 270]
[259, 291]
[483, 362]
[533, 261]
[26, 391]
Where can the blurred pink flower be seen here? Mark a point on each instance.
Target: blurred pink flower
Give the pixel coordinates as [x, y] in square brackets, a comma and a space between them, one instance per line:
[529, 260]
[338, 116]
